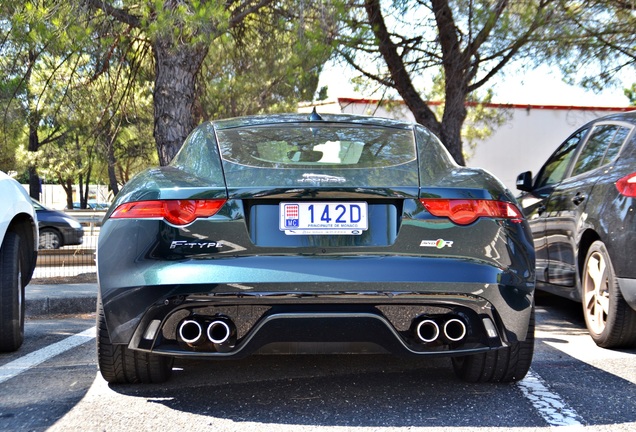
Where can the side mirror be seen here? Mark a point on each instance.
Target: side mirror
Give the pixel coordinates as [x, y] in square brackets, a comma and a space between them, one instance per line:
[524, 181]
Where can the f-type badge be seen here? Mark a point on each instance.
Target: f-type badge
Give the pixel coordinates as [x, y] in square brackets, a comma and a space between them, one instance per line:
[439, 243]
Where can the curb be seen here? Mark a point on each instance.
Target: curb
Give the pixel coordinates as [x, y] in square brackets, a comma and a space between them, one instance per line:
[62, 299]
[55, 306]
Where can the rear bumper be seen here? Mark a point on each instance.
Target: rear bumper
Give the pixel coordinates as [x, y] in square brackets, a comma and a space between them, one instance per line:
[388, 321]
[73, 236]
[269, 298]
[628, 290]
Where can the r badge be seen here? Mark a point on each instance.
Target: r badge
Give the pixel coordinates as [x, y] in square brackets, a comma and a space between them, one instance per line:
[439, 243]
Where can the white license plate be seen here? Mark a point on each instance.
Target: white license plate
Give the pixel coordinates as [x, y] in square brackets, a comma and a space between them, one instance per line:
[303, 218]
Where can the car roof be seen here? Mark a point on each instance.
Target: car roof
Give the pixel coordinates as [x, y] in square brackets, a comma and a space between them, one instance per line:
[274, 119]
[629, 116]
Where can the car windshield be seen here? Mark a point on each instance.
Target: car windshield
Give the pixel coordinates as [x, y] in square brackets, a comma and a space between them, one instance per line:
[325, 145]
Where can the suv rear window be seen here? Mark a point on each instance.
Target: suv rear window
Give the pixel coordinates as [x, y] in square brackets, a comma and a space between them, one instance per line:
[321, 145]
[602, 147]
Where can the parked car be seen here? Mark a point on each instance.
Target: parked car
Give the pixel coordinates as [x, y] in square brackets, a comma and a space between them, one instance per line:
[292, 234]
[18, 255]
[57, 229]
[580, 208]
[92, 205]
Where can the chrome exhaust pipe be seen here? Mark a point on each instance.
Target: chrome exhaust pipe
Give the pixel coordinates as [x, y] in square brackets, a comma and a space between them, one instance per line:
[219, 332]
[454, 329]
[427, 330]
[190, 332]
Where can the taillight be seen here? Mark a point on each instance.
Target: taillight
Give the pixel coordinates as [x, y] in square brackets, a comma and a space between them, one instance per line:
[176, 212]
[467, 211]
[627, 185]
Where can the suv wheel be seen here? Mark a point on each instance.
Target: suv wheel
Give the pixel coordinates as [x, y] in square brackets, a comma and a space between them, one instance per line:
[11, 294]
[609, 319]
[506, 364]
[120, 365]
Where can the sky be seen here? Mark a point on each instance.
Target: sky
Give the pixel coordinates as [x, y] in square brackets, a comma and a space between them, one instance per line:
[541, 86]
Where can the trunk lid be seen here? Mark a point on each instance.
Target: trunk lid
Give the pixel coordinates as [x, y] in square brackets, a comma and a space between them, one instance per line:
[331, 171]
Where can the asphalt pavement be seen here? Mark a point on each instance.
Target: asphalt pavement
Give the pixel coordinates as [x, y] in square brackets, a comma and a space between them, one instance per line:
[60, 299]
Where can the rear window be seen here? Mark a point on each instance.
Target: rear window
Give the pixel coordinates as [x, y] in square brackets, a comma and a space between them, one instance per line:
[312, 145]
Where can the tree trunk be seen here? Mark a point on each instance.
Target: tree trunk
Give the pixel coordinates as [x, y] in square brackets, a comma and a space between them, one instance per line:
[67, 185]
[451, 135]
[85, 193]
[112, 163]
[176, 69]
[82, 199]
[453, 119]
[35, 187]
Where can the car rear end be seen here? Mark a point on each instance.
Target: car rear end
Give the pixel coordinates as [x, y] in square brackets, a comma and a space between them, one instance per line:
[290, 235]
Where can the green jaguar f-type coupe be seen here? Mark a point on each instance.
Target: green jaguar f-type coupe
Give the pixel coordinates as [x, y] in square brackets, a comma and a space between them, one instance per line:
[304, 234]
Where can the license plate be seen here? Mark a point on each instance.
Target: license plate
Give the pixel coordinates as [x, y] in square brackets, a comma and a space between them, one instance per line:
[323, 218]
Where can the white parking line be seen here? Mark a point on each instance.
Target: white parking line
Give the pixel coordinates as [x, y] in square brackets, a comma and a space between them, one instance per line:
[18, 366]
[550, 406]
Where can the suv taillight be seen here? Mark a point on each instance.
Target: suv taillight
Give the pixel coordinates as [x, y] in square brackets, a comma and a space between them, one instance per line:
[176, 212]
[467, 211]
[627, 185]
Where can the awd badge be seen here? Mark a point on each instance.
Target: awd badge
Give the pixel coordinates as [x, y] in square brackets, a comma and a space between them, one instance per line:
[439, 243]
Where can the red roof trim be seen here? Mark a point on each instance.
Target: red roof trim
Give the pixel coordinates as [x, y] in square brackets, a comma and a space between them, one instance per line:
[347, 101]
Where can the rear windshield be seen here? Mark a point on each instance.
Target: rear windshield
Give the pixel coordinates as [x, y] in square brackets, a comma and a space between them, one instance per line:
[324, 145]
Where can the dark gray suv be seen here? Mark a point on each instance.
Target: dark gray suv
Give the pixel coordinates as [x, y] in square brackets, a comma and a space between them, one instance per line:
[580, 207]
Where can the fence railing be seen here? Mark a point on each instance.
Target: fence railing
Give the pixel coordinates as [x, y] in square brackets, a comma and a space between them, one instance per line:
[72, 261]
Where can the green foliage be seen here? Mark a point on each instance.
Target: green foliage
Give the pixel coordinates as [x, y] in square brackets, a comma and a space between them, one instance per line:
[595, 43]
[81, 74]
[195, 21]
[631, 94]
[267, 64]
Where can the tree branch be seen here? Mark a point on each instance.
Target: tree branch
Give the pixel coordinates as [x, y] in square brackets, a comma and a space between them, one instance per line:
[399, 74]
[514, 49]
[485, 32]
[243, 11]
[120, 15]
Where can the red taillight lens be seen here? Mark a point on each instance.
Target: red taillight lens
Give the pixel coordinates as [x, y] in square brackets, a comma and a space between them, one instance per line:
[627, 185]
[467, 211]
[176, 212]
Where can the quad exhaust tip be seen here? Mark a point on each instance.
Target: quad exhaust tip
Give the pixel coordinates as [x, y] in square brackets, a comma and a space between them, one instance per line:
[219, 332]
[428, 330]
[196, 332]
[454, 330]
[190, 332]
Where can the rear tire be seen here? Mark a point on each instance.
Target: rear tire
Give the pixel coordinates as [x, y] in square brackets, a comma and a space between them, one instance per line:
[507, 364]
[120, 365]
[11, 294]
[610, 321]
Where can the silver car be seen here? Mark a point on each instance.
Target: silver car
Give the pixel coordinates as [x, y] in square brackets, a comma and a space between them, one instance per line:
[18, 255]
